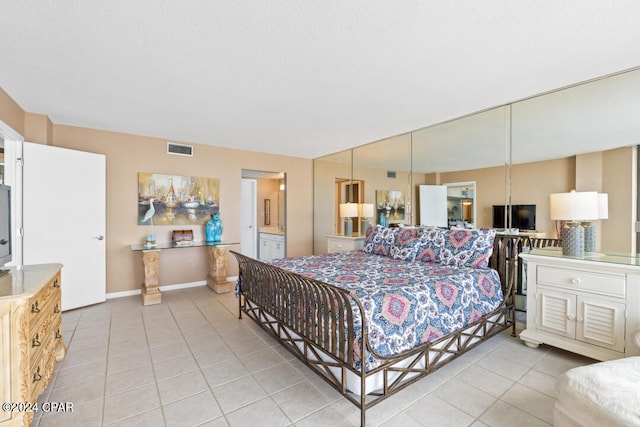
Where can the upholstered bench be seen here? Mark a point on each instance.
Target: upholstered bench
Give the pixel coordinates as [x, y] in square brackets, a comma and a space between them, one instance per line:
[601, 394]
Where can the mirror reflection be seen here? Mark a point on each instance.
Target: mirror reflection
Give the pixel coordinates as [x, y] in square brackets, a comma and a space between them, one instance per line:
[582, 137]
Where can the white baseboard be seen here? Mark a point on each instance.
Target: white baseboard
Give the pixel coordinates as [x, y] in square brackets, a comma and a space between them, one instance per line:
[122, 294]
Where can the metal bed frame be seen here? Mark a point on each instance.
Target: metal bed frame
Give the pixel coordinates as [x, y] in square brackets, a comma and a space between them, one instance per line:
[314, 320]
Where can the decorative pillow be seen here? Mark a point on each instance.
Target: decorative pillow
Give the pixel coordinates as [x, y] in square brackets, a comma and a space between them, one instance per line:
[429, 245]
[471, 248]
[404, 244]
[380, 241]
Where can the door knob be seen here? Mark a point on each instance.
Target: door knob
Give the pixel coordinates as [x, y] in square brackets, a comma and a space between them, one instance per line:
[100, 237]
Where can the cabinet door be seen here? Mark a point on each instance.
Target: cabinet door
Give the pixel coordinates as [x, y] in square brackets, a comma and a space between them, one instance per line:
[601, 322]
[278, 249]
[266, 248]
[556, 313]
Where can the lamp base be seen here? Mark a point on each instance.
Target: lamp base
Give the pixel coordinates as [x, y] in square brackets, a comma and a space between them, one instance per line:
[364, 225]
[348, 227]
[589, 236]
[573, 240]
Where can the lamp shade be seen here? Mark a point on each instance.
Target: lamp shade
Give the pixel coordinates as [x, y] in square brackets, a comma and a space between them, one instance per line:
[603, 206]
[574, 206]
[348, 210]
[366, 210]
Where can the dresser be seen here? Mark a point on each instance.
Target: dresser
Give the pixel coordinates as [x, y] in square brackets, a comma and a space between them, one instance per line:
[588, 305]
[341, 243]
[31, 336]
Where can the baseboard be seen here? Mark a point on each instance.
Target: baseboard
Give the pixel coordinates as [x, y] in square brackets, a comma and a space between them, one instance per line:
[122, 294]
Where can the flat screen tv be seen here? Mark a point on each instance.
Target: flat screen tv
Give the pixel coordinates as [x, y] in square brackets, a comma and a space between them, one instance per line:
[5, 226]
[523, 217]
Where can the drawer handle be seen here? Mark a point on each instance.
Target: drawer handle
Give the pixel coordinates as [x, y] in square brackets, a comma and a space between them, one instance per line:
[35, 342]
[576, 281]
[36, 375]
[56, 309]
[58, 334]
[34, 307]
[56, 283]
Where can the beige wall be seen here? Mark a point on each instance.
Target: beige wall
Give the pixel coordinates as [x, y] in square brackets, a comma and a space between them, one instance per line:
[11, 113]
[126, 155]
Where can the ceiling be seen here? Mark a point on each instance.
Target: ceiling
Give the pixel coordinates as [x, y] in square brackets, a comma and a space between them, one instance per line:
[300, 78]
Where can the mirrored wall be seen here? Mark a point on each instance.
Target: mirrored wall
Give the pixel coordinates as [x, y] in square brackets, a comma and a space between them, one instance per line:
[582, 137]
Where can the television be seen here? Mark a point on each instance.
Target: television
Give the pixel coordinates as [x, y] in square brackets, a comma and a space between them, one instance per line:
[5, 227]
[523, 217]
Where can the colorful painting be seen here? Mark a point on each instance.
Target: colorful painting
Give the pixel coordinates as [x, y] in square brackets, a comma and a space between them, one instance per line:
[390, 206]
[177, 200]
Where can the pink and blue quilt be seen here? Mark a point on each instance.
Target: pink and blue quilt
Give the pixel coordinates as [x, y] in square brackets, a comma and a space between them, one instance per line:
[405, 303]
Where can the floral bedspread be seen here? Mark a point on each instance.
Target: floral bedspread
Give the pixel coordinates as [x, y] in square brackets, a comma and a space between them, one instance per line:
[406, 303]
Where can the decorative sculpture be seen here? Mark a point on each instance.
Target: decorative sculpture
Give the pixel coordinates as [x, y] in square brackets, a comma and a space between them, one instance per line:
[214, 228]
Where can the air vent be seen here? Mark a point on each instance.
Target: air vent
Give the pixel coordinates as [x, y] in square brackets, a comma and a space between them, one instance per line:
[391, 174]
[179, 149]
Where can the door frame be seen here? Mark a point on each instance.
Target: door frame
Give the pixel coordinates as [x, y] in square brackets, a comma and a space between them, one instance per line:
[13, 146]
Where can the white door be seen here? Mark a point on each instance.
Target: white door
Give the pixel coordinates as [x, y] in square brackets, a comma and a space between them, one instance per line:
[64, 219]
[433, 205]
[248, 230]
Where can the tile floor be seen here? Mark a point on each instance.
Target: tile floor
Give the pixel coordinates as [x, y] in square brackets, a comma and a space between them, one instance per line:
[191, 362]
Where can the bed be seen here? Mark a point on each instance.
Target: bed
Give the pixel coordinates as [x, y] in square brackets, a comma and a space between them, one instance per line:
[374, 321]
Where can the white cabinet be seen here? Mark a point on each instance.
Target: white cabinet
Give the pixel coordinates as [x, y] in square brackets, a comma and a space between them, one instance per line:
[338, 243]
[588, 306]
[271, 246]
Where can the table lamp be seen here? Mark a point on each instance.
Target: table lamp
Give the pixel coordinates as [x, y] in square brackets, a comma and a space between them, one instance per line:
[573, 207]
[347, 211]
[366, 212]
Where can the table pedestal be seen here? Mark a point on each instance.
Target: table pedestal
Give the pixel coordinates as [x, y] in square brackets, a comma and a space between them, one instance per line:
[151, 261]
[217, 277]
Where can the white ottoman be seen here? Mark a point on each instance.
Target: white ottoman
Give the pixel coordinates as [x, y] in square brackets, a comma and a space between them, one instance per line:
[602, 394]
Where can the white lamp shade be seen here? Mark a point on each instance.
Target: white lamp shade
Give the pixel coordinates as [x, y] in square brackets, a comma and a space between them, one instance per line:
[348, 210]
[603, 206]
[574, 206]
[366, 210]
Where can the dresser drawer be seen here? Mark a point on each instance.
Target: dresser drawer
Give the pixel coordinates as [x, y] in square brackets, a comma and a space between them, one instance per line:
[339, 246]
[39, 304]
[601, 283]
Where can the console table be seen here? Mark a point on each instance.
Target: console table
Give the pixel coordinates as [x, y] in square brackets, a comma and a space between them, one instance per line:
[216, 279]
[588, 305]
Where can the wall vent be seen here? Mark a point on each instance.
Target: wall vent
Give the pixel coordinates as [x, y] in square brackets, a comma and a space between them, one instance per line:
[179, 149]
[391, 174]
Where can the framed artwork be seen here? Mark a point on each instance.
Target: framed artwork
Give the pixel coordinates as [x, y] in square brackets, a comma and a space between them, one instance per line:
[177, 200]
[390, 207]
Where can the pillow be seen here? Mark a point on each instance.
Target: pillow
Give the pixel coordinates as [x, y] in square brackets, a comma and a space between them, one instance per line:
[380, 241]
[404, 244]
[429, 245]
[470, 248]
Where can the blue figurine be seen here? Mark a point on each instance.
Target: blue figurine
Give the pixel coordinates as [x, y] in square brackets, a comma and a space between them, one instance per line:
[214, 229]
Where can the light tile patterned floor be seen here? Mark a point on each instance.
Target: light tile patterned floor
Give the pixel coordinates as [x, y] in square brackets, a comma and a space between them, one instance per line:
[191, 362]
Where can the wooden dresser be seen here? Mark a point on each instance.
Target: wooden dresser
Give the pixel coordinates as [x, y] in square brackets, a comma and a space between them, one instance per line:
[30, 336]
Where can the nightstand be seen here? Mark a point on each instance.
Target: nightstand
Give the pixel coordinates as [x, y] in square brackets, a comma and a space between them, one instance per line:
[587, 305]
[341, 243]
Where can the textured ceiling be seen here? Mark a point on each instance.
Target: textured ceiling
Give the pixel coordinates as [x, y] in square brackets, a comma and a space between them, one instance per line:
[301, 78]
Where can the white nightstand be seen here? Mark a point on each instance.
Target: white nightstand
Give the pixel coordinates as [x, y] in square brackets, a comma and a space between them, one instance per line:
[587, 305]
[340, 243]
